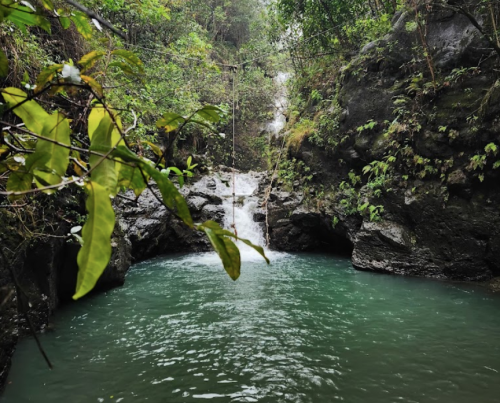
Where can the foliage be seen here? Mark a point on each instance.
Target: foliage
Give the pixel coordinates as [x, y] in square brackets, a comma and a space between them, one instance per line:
[51, 151]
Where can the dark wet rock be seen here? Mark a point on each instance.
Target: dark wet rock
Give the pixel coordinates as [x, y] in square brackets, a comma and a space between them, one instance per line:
[442, 223]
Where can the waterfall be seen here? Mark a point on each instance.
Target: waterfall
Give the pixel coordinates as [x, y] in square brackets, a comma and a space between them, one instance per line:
[246, 204]
[281, 104]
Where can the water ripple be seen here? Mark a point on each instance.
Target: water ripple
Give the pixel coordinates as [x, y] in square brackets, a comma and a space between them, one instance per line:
[306, 329]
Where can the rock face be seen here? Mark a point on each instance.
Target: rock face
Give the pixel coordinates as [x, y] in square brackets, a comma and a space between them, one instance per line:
[441, 213]
[46, 268]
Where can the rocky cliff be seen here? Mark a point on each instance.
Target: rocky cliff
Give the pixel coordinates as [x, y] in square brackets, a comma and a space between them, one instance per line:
[405, 175]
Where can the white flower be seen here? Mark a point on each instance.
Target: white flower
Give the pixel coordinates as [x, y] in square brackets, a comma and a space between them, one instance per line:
[71, 74]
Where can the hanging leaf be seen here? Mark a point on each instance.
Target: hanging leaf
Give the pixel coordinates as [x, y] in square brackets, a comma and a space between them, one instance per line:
[130, 57]
[103, 169]
[228, 252]
[46, 76]
[170, 194]
[4, 64]
[32, 114]
[23, 16]
[131, 177]
[170, 122]
[96, 87]
[21, 179]
[123, 67]
[48, 5]
[96, 115]
[96, 251]
[222, 232]
[200, 123]
[156, 150]
[210, 113]
[90, 59]
[82, 24]
[65, 22]
[56, 128]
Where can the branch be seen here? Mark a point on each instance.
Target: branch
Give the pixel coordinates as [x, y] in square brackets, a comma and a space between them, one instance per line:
[97, 17]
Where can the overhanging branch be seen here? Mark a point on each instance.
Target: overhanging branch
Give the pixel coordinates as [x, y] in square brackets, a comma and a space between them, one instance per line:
[97, 17]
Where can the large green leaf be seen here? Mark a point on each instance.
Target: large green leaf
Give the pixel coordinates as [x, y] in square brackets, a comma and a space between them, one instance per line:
[96, 115]
[130, 57]
[210, 113]
[46, 76]
[170, 194]
[56, 128]
[4, 64]
[21, 179]
[65, 22]
[130, 177]
[96, 251]
[123, 67]
[103, 169]
[32, 114]
[23, 16]
[96, 87]
[222, 232]
[228, 252]
[90, 59]
[170, 121]
[82, 24]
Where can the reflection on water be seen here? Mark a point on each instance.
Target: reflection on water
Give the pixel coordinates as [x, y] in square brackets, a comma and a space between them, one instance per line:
[308, 328]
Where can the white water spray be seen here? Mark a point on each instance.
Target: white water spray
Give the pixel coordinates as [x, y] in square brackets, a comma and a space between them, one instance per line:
[246, 204]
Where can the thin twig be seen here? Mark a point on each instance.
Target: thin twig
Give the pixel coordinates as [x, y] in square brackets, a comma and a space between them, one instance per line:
[23, 306]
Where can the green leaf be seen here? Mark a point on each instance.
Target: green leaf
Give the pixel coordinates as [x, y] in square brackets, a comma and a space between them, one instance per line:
[170, 194]
[227, 251]
[96, 87]
[154, 147]
[130, 57]
[65, 22]
[222, 232]
[103, 170]
[32, 114]
[4, 64]
[180, 176]
[170, 121]
[90, 59]
[21, 179]
[198, 122]
[46, 76]
[96, 115]
[123, 67]
[56, 128]
[96, 251]
[82, 24]
[131, 178]
[23, 16]
[48, 5]
[210, 113]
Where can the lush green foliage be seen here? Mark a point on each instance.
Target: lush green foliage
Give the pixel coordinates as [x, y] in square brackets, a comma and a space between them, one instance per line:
[101, 147]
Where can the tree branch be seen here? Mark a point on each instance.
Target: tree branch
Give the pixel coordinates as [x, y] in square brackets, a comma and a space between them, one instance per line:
[97, 17]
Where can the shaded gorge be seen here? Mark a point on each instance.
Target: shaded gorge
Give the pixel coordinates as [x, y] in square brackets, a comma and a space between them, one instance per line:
[308, 328]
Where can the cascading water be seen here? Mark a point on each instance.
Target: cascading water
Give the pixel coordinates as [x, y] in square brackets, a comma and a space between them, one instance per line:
[246, 204]
[281, 104]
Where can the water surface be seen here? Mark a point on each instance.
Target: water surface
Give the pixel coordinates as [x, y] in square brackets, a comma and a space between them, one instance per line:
[309, 328]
